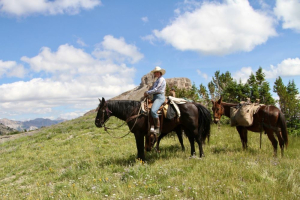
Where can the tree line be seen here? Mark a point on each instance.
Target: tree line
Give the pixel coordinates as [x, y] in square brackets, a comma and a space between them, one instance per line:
[256, 87]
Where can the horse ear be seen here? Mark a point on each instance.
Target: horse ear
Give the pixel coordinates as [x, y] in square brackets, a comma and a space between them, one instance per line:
[103, 100]
[220, 100]
[213, 102]
[99, 100]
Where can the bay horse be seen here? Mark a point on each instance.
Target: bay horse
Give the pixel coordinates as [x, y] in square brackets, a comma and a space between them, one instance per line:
[268, 119]
[127, 109]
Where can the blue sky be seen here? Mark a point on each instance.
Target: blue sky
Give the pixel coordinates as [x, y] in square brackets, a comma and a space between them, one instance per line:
[57, 57]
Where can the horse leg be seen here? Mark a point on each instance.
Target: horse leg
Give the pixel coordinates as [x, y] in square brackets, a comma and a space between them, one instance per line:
[243, 135]
[179, 135]
[199, 141]
[281, 141]
[158, 141]
[192, 143]
[273, 141]
[139, 139]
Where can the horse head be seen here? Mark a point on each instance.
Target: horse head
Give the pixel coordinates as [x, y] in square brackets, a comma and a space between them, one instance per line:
[103, 113]
[151, 139]
[218, 110]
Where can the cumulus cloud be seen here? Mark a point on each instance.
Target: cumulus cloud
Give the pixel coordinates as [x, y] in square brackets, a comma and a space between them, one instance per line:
[288, 12]
[11, 69]
[288, 67]
[243, 74]
[68, 77]
[28, 7]
[219, 28]
[117, 49]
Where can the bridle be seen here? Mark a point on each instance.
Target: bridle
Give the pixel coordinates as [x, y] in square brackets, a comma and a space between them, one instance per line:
[108, 113]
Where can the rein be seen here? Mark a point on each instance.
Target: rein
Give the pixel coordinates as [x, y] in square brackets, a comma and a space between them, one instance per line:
[127, 120]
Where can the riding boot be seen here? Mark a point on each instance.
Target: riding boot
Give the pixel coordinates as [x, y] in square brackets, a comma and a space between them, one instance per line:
[157, 126]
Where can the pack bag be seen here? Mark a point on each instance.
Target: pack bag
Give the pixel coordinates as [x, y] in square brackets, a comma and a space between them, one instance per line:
[242, 115]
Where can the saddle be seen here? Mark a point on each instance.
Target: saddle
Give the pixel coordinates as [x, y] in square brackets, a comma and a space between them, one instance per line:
[168, 109]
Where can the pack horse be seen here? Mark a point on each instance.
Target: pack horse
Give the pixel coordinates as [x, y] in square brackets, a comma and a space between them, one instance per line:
[267, 118]
[195, 120]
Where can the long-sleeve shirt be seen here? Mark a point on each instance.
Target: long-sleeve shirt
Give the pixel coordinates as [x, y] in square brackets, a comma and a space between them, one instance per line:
[158, 87]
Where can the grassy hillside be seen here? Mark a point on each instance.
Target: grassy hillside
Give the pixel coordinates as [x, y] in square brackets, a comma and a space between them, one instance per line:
[76, 160]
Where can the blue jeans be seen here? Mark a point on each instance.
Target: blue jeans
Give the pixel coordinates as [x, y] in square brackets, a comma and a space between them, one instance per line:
[158, 99]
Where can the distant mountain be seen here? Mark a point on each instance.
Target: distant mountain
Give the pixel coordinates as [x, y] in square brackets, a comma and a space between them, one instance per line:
[29, 125]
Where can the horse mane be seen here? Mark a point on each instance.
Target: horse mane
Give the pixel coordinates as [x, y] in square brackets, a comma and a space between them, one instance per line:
[124, 107]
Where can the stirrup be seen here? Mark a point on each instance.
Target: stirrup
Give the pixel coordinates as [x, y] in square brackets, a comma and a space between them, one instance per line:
[157, 131]
[152, 130]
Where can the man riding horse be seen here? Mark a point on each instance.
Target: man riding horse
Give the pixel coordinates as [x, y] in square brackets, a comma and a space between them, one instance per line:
[158, 91]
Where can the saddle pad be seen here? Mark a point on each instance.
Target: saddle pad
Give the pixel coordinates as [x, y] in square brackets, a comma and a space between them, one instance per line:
[177, 100]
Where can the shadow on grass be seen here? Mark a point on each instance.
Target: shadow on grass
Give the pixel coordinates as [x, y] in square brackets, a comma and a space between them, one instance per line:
[235, 150]
[167, 152]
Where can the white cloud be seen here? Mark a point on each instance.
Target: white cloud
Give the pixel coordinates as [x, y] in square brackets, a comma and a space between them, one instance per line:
[68, 77]
[219, 29]
[243, 74]
[204, 75]
[288, 67]
[28, 7]
[118, 49]
[288, 12]
[145, 19]
[11, 69]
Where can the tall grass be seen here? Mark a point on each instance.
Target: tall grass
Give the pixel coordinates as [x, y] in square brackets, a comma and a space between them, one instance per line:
[76, 160]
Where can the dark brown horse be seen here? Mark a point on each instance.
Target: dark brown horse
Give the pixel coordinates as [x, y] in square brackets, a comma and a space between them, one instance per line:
[151, 141]
[126, 109]
[204, 120]
[268, 119]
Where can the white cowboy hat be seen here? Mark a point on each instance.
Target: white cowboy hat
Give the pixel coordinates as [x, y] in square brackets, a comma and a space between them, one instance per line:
[158, 69]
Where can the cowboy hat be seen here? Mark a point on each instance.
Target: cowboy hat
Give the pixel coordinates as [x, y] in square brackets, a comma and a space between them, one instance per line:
[158, 69]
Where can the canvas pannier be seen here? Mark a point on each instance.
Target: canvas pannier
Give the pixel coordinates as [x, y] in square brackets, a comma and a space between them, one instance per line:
[242, 115]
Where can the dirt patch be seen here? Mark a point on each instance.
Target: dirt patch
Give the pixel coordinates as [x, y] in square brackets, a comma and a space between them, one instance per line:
[5, 138]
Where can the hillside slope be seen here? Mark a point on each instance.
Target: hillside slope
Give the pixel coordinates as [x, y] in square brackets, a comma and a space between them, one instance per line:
[77, 160]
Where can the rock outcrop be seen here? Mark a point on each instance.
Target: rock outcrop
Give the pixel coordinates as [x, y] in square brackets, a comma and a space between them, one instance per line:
[4, 130]
[146, 83]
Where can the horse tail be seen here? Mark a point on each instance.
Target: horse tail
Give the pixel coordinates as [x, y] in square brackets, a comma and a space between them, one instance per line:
[204, 121]
[283, 126]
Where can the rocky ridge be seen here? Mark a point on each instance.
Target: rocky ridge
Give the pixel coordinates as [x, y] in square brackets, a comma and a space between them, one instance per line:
[146, 82]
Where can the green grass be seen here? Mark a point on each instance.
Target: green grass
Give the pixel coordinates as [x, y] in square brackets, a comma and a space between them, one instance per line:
[76, 160]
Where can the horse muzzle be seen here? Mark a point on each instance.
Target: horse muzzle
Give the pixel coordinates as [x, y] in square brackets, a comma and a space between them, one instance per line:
[98, 124]
[216, 120]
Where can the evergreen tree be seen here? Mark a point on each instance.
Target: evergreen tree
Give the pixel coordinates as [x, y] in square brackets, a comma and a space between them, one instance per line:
[259, 76]
[265, 95]
[289, 103]
[219, 83]
[211, 88]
